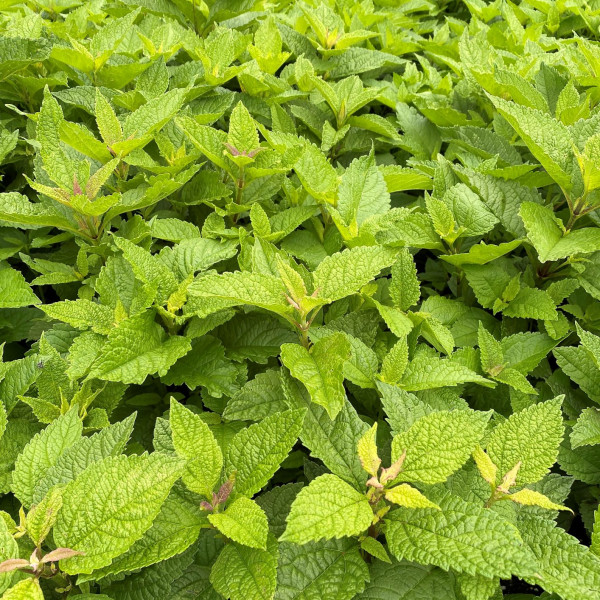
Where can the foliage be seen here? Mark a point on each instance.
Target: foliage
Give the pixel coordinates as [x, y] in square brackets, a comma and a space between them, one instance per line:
[299, 300]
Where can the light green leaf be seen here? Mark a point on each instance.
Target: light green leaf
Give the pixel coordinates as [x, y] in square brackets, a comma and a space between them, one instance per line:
[244, 522]
[14, 290]
[138, 347]
[316, 174]
[424, 373]
[42, 452]
[586, 432]
[242, 130]
[175, 528]
[110, 441]
[406, 495]
[320, 370]
[128, 494]
[82, 314]
[26, 589]
[531, 437]
[362, 192]
[344, 273]
[461, 535]
[327, 508]
[194, 441]
[547, 234]
[547, 138]
[243, 573]
[438, 444]
[42, 516]
[215, 292]
[270, 440]
[405, 289]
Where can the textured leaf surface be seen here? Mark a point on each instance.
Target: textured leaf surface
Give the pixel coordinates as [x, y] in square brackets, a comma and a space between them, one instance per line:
[438, 444]
[327, 508]
[43, 452]
[465, 536]
[128, 494]
[320, 370]
[194, 441]
[325, 570]
[531, 437]
[244, 522]
[256, 452]
[242, 573]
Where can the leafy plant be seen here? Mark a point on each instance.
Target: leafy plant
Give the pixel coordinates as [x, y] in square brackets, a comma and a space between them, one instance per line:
[299, 300]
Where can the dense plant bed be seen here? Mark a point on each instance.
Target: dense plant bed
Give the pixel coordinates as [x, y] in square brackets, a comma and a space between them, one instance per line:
[299, 300]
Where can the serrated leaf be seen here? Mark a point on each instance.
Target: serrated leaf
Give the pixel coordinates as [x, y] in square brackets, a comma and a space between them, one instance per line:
[547, 234]
[327, 508]
[26, 589]
[270, 440]
[242, 573]
[487, 545]
[324, 569]
[42, 452]
[138, 347]
[244, 522]
[344, 273]
[128, 494]
[406, 495]
[531, 437]
[438, 444]
[320, 370]
[194, 441]
[14, 290]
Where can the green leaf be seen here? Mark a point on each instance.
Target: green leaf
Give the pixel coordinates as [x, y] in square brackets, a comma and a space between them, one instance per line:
[316, 174]
[438, 444]
[547, 139]
[344, 273]
[406, 495]
[243, 573]
[461, 536]
[60, 168]
[242, 136]
[549, 237]
[42, 516]
[425, 373]
[320, 370]
[271, 441]
[586, 432]
[128, 494]
[327, 508]
[530, 437]
[362, 192]
[26, 589]
[110, 441]
[328, 568]
[407, 581]
[244, 522]
[175, 528]
[82, 314]
[43, 452]
[215, 292]
[565, 567]
[334, 441]
[14, 290]
[405, 289]
[138, 347]
[194, 441]
[8, 549]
